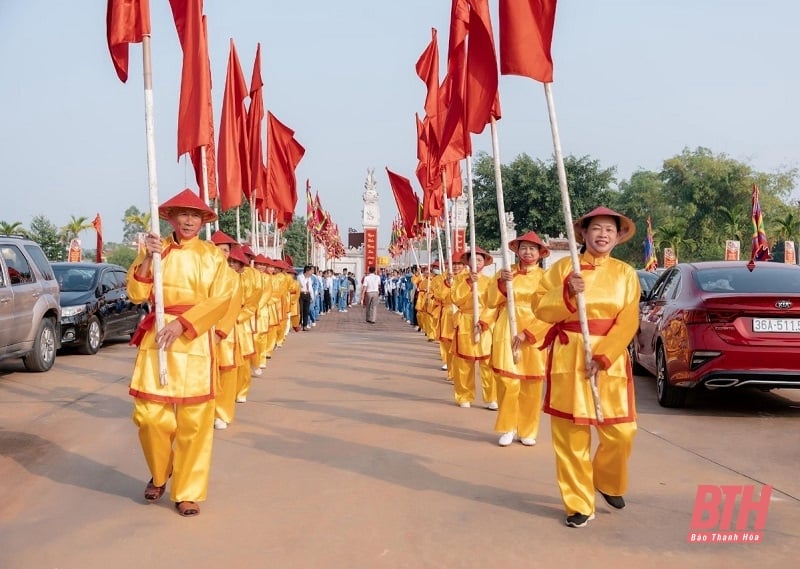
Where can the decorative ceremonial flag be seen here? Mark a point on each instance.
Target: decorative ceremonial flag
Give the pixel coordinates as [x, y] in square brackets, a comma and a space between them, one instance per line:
[283, 155]
[481, 96]
[407, 201]
[309, 206]
[650, 259]
[232, 149]
[760, 249]
[526, 32]
[255, 115]
[127, 21]
[196, 154]
[454, 140]
[97, 223]
[428, 70]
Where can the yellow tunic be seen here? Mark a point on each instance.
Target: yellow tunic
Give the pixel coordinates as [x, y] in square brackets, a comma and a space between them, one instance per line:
[461, 295]
[612, 308]
[532, 360]
[447, 320]
[227, 355]
[197, 283]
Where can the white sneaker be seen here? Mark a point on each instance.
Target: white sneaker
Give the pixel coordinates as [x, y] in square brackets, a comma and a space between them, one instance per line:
[220, 424]
[256, 371]
[241, 399]
[313, 324]
[464, 405]
[528, 441]
[506, 439]
[492, 406]
[444, 367]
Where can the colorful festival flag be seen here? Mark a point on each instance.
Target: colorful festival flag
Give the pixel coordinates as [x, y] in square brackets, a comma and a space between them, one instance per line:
[650, 258]
[760, 249]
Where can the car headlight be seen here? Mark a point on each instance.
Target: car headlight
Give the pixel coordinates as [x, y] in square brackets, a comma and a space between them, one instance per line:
[73, 310]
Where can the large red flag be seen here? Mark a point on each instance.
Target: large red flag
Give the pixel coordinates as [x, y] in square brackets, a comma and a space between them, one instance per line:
[454, 140]
[481, 96]
[407, 200]
[283, 155]
[232, 149]
[255, 115]
[127, 21]
[526, 33]
[97, 223]
[195, 125]
[427, 67]
[196, 154]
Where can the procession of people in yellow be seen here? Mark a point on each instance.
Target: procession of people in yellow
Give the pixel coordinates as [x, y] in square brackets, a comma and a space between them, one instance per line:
[227, 309]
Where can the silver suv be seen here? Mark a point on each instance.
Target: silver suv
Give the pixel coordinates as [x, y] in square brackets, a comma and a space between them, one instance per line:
[30, 312]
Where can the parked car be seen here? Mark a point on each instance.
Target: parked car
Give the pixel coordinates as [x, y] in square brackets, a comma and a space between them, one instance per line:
[719, 325]
[95, 305]
[646, 281]
[29, 304]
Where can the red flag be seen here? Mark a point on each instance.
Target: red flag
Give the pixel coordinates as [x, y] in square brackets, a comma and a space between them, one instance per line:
[526, 32]
[97, 223]
[481, 95]
[760, 249]
[255, 115]
[454, 140]
[127, 21]
[194, 123]
[232, 150]
[428, 70]
[283, 155]
[210, 149]
[407, 200]
[455, 186]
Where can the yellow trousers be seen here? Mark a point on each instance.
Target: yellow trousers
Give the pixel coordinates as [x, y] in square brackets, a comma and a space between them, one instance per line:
[226, 395]
[578, 474]
[283, 329]
[272, 340]
[464, 380]
[177, 439]
[244, 380]
[520, 406]
[260, 358]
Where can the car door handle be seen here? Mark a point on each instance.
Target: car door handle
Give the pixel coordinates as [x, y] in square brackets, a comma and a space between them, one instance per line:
[5, 300]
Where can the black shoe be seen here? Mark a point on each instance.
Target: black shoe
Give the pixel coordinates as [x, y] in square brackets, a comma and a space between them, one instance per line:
[579, 520]
[617, 502]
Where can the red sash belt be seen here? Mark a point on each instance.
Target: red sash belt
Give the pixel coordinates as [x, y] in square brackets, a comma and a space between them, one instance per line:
[597, 327]
[149, 321]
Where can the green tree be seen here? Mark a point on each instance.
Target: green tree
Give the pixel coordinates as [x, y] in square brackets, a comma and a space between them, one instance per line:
[13, 228]
[45, 233]
[134, 222]
[295, 241]
[75, 226]
[673, 234]
[122, 255]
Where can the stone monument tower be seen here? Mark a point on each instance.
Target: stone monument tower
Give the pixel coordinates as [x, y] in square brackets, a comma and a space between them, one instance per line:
[371, 221]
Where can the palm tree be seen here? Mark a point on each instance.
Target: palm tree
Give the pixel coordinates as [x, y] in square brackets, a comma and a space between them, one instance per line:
[733, 220]
[76, 224]
[673, 234]
[787, 228]
[14, 228]
[141, 220]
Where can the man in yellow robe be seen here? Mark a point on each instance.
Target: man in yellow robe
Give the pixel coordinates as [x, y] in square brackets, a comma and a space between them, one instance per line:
[611, 295]
[175, 414]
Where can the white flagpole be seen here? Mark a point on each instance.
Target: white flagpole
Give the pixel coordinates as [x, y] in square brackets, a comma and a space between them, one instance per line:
[472, 266]
[158, 287]
[501, 214]
[204, 175]
[448, 243]
[573, 248]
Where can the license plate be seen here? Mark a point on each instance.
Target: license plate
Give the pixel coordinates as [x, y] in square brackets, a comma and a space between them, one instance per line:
[790, 325]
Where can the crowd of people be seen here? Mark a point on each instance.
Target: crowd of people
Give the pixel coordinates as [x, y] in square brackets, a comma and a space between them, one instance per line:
[226, 309]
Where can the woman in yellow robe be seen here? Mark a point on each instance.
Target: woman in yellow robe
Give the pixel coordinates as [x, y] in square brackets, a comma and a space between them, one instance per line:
[466, 351]
[175, 419]
[519, 384]
[611, 294]
[447, 322]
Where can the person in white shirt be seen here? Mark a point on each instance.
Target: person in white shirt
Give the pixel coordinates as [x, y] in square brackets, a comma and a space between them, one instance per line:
[371, 284]
[306, 293]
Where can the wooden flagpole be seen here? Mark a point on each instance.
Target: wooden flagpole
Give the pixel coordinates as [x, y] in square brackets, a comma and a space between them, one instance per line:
[573, 248]
[501, 214]
[152, 183]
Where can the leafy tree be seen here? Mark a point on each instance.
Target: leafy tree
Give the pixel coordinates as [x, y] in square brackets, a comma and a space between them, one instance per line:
[13, 228]
[134, 222]
[294, 238]
[75, 226]
[123, 256]
[227, 221]
[45, 233]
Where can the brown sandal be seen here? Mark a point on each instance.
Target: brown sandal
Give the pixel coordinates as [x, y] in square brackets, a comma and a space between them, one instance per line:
[153, 493]
[187, 509]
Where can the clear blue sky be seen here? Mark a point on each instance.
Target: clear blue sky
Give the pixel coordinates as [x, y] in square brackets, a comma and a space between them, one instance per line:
[636, 81]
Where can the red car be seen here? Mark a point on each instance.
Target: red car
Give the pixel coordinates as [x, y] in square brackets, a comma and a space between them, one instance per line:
[719, 325]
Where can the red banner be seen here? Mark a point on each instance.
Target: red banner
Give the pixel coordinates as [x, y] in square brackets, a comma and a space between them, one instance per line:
[370, 248]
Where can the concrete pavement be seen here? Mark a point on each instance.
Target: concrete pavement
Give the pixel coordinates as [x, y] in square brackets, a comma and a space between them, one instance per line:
[350, 453]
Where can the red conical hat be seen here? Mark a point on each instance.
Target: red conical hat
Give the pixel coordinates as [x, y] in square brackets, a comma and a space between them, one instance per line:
[457, 258]
[531, 237]
[262, 260]
[478, 251]
[222, 238]
[626, 226]
[248, 251]
[237, 254]
[187, 199]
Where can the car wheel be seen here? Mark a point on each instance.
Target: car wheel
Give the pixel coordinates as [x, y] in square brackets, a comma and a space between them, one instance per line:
[668, 394]
[635, 366]
[94, 337]
[43, 355]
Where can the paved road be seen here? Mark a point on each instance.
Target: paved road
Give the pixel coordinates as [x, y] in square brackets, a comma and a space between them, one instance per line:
[351, 454]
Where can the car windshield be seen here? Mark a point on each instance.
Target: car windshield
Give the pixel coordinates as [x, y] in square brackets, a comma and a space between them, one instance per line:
[75, 279]
[784, 280]
[647, 280]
